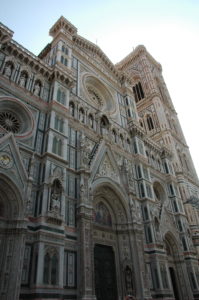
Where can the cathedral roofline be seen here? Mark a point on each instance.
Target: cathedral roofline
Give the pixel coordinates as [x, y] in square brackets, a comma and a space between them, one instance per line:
[6, 34]
[63, 25]
[140, 49]
[81, 41]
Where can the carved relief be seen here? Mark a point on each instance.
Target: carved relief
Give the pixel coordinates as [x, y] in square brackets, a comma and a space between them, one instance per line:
[87, 146]
[106, 169]
[6, 160]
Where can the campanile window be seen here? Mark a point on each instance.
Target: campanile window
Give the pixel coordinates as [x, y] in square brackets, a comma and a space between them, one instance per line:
[138, 92]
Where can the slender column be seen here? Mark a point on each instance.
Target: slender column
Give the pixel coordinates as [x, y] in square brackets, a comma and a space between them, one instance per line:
[12, 263]
[40, 264]
[85, 215]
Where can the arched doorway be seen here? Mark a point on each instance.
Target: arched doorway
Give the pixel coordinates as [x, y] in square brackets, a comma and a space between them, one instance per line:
[112, 252]
[12, 230]
[105, 272]
[172, 259]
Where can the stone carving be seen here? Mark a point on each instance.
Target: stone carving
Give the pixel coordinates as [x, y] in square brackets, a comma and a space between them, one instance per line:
[6, 161]
[71, 109]
[107, 170]
[128, 281]
[135, 211]
[86, 149]
[8, 70]
[81, 115]
[37, 89]
[22, 80]
[55, 199]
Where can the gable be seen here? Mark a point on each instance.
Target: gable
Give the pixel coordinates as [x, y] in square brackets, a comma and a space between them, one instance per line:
[11, 164]
[105, 165]
[95, 55]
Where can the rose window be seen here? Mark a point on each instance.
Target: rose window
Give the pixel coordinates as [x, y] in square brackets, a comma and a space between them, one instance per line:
[16, 117]
[95, 96]
[9, 121]
[98, 94]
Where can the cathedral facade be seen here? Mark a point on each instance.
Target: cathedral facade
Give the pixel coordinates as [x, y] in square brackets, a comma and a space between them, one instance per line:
[99, 198]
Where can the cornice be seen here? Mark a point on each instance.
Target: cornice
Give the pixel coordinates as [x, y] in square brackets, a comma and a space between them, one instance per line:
[135, 54]
[5, 34]
[64, 26]
[83, 43]
[38, 65]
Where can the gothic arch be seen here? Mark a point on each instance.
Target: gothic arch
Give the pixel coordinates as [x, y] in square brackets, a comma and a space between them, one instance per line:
[114, 195]
[12, 227]
[159, 191]
[12, 205]
[171, 245]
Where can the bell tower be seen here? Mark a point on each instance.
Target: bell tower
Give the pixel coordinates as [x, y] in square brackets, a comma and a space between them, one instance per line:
[157, 115]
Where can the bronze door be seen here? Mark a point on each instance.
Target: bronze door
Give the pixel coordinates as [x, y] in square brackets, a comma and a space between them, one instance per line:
[105, 275]
[174, 283]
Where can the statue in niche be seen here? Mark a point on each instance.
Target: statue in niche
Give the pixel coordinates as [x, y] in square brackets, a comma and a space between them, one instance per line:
[56, 191]
[22, 80]
[86, 148]
[37, 89]
[81, 115]
[91, 121]
[72, 109]
[8, 70]
[128, 281]
[157, 229]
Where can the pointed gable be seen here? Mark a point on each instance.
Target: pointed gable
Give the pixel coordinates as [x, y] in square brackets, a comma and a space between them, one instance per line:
[105, 165]
[11, 164]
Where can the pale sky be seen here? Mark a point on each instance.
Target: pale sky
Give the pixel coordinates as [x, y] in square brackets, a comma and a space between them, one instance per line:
[169, 29]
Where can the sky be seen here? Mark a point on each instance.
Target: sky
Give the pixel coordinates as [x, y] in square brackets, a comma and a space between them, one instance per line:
[169, 29]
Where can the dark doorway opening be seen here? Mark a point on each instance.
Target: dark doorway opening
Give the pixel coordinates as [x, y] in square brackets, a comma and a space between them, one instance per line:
[174, 283]
[105, 274]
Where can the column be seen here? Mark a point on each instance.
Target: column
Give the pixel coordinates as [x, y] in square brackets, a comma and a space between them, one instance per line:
[84, 225]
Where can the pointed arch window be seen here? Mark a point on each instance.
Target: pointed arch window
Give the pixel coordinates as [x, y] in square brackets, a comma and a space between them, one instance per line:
[148, 234]
[47, 268]
[59, 124]
[90, 119]
[54, 264]
[184, 243]
[104, 125]
[150, 123]
[121, 140]
[145, 213]
[142, 190]
[138, 92]
[114, 135]
[50, 275]
[139, 171]
[61, 96]
[57, 146]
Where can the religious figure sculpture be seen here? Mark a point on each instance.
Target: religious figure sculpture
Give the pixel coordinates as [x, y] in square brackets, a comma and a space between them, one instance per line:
[55, 201]
[37, 89]
[8, 70]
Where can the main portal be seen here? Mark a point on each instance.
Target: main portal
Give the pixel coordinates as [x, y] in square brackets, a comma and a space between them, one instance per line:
[105, 274]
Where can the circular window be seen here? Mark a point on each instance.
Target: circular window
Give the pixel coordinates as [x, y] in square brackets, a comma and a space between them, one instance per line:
[94, 95]
[9, 121]
[98, 94]
[15, 117]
